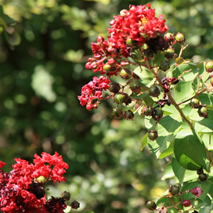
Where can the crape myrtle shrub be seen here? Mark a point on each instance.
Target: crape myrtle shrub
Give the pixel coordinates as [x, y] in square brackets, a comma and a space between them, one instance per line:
[27, 125]
[173, 93]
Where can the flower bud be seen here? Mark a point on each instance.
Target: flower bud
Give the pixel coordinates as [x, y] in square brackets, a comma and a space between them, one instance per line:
[169, 53]
[195, 103]
[169, 37]
[41, 179]
[124, 74]
[179, 60]
[119, 98]
[203, 112]
[180, 38]
[109, 68]
[209, 66]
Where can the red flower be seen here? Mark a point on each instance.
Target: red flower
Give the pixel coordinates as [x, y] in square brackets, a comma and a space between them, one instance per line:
[91, 93]
[19, 189]
[2, 164]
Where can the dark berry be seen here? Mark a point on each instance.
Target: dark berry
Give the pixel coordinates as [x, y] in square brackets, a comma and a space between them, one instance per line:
[200, 171]
[209, 66]
[117, 113]
[154, 91]
[180, 38]
[164, 65]
[75, 204]
[203, 112]
[195, 103]
[146, 111]
[157, 113]
[151, 205]
[203, 177]
[66, 195]
[114, 87]
[152, 135]
[135, 86]
[187, 203]
[128, 115]
[127, 99]
[174, 189]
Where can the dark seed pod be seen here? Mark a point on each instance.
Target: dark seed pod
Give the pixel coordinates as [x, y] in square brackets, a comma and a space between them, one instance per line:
[154, 91]
[151, 205]
[128, 115]
[114, 87]
[203, 177]
[152, 135]
[174, 189]
[117, 113]
[164, 65]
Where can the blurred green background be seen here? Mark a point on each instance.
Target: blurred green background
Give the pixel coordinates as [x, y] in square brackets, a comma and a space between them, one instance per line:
[44, 45]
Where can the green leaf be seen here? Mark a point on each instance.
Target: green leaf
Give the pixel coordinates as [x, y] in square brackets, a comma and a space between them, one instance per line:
[208, 121]
[158, 58]
[190, 152]
[167, 152]
[183, 91]
[191, 74]
[178, 170]
[144, 74]
[139, 97]
[144, 141]
[206, 99]
[169, 124]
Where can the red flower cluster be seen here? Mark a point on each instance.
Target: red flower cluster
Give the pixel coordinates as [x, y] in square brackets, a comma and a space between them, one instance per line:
[128, 31]
[139, 24]
[91, 93]
[20, 190]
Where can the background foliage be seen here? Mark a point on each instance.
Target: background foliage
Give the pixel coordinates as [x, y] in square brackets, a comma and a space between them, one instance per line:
[43, 48]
